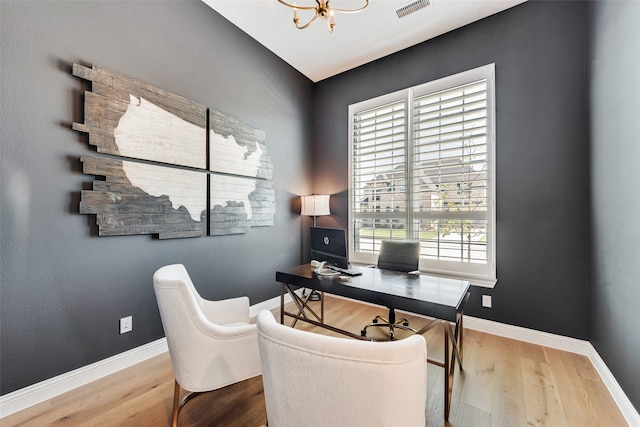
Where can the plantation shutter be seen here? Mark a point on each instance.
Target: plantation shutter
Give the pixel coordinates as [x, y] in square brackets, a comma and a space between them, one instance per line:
[422, 168]
[450, 172]
[379, 172]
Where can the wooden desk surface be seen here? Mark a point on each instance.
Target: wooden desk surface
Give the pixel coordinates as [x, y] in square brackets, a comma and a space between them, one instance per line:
[422, 294]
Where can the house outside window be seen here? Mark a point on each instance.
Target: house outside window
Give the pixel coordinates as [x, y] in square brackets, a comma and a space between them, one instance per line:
[422, 167]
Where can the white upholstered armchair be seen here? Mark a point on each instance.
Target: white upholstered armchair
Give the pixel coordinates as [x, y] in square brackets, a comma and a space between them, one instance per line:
[316, 380]
[211, 343]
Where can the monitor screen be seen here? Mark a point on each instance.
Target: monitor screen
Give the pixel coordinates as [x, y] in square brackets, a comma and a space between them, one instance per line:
[330, 245]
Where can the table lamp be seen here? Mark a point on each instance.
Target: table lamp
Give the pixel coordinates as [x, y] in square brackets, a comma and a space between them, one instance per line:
[314, 205]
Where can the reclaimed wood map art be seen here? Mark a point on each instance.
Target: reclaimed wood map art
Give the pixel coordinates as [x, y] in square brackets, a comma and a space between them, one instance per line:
[239, 152]
[156, 167]
[230, 215]
[139, 198]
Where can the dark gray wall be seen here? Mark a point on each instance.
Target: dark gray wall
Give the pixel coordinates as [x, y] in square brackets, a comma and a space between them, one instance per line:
[542, 152]
[62, 288]
[615, 178]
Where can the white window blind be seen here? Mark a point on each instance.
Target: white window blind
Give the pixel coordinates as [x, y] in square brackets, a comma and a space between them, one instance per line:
[422, 169]
[378, 174]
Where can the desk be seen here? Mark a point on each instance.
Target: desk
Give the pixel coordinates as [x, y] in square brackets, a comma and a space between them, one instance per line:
[436, 297]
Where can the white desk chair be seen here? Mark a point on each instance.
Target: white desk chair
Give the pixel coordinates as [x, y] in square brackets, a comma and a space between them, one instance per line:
[316, 380]
[211, 343]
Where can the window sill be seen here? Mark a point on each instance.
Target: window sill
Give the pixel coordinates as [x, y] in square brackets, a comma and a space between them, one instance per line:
[477, 281]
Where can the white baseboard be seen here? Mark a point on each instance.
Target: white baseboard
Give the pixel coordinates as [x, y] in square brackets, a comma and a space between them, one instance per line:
[566, 344]
[528, 335]
[25, 397]
[626, 407]
[37, 393]
[269, 304]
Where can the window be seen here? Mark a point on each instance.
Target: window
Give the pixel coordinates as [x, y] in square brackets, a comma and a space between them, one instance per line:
[422, 168]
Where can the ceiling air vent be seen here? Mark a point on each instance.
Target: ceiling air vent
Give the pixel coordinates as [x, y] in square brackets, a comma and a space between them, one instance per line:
[412, 7]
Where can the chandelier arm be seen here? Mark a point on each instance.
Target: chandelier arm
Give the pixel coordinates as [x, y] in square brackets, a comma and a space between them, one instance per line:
[293, 6]
[307, 24]
[366, 3]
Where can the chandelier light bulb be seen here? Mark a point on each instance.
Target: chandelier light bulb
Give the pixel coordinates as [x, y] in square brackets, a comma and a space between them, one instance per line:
[322, 10]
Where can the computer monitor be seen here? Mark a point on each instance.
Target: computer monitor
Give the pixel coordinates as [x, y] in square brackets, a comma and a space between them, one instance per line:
[330, 245]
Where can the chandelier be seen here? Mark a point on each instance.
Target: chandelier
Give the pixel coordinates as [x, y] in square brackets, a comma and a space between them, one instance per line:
[322, 10]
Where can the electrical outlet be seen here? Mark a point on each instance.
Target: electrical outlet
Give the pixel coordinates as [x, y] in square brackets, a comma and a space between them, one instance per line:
[486, 301]
[126, 324]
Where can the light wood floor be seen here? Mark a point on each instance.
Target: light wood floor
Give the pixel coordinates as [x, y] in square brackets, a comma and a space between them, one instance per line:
[504, 383]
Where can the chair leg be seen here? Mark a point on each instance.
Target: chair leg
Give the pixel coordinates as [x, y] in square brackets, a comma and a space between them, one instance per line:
[176, 403]
[391, 323]
[380, 319]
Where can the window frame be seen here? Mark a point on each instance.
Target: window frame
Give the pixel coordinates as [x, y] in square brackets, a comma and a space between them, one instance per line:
[479, 274]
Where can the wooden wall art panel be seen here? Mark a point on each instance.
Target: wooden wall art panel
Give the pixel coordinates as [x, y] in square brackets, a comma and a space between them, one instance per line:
[237, 148]
[231, 214]
[157, 170]
[139, 198]
[133, 119]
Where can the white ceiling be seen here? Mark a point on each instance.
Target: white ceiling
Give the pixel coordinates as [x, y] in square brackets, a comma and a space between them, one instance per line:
[358, 38]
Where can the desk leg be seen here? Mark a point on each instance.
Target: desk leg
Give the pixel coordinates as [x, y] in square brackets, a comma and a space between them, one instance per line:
[453, 338]
[456, 340]
[452, 351]
[282, 291]
[304, 311]
[459, 330]
[450, 357]
[448, 381]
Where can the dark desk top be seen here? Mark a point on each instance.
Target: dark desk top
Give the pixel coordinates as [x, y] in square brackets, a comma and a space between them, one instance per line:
[422, 294]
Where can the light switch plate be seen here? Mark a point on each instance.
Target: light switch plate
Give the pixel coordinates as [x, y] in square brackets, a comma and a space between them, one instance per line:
[126, 324]
[486, 301]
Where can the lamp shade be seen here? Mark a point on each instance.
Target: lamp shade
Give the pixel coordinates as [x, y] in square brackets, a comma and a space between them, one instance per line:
[315, 205]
